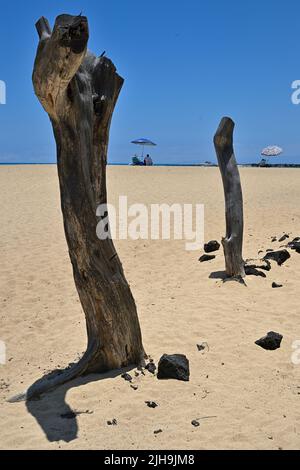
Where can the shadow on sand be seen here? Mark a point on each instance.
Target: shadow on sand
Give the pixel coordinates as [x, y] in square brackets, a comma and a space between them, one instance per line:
[218, 275]
[54, 415]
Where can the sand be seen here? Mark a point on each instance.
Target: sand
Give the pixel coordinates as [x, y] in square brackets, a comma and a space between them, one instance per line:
[251, 395]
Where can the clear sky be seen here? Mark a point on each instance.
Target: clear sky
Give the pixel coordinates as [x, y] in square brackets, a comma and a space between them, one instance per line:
[186, 64]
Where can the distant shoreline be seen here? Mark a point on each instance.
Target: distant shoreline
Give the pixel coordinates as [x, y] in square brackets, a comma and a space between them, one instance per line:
[246, 165]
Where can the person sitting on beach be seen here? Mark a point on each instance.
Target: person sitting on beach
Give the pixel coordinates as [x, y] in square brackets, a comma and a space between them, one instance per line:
[148, 161]
[136, 161]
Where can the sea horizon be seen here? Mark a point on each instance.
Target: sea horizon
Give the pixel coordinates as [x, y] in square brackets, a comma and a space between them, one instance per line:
[213, 165]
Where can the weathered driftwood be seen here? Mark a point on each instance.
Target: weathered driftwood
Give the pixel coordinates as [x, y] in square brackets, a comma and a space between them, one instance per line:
[79, 92]
[233, 242]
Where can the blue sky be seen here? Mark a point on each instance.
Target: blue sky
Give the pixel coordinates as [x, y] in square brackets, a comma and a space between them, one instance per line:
[186, 64]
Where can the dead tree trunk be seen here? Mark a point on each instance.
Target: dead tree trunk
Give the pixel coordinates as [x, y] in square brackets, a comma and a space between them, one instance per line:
[79, 92]
[233, 242]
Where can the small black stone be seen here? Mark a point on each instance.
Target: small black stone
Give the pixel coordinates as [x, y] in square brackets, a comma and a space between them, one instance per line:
[295, 245]
[280, 256]
[158, 431]
[211, 246]
[276, 286]
[127, 377]
[283, 238]
[151, 404]
[114, 422]
[203, 347]
[151, 367]
[271, 342]
[258, 264]
[174, 367]
[134, 387]
[195, 423]
[205, 258]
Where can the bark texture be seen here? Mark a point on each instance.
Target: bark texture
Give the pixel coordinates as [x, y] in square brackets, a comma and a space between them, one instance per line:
[79, 91]
[233, 242]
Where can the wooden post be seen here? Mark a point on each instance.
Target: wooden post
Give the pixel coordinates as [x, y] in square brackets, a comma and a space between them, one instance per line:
[79, 92]
[233, 242]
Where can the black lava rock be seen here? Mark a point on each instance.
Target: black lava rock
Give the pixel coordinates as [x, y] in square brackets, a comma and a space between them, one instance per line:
[205, 258]
[276, 286]
[159, 431]
[195, 423]
[279, 256]
[295, 245]
[271, 342]
[174, 367]
[114, 422]
[212, 246]
[151, 404]
[134, 387]
[203, 347]
[258, 264]
[151, 367]
[127, 377]
[283, 238]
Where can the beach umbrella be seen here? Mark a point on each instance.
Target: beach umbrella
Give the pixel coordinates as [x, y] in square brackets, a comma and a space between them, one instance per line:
[272, 151]
[144, 143]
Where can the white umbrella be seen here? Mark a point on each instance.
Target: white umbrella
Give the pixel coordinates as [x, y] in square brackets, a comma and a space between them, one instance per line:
[272, 151]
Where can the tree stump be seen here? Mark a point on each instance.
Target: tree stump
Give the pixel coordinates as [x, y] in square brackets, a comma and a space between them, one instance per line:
[79, 92]
[233, 242]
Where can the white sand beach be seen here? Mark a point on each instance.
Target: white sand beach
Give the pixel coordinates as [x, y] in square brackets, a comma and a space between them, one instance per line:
[249, 398]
